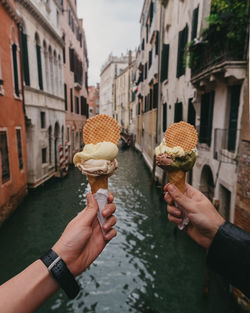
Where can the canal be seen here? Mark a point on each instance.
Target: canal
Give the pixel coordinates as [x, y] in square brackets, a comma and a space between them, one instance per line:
[150, 267]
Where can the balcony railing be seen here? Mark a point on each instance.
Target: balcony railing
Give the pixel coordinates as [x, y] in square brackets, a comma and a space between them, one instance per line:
[225, 145]
[206, 54]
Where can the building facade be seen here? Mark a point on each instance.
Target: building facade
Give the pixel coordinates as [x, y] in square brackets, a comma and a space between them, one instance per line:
[13, 157]
[94, 100]
[112, 67]
[42, 58]
[75, 69]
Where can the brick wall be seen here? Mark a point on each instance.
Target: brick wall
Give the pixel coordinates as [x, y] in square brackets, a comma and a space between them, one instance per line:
[242, 208]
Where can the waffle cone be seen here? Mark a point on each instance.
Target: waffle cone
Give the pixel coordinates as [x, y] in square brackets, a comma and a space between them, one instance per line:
[101, 128]
[98, 182]
[178, 179]
[181, 134]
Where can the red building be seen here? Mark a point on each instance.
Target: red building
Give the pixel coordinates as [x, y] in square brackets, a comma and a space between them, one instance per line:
[13, 172]
[93, 100]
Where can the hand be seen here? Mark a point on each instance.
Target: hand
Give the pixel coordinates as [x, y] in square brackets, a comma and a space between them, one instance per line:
[82, 240]
[205, 220]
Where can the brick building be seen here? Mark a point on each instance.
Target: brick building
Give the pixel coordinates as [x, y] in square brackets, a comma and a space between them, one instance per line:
[75, 76]
[13, 170]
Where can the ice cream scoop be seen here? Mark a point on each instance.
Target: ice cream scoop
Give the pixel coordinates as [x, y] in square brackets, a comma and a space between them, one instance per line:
[94, 167]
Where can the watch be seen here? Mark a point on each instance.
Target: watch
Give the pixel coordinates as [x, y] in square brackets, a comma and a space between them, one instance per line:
[61, 273]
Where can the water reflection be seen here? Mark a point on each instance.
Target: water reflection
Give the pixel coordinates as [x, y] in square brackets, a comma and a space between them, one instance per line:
[144, 269]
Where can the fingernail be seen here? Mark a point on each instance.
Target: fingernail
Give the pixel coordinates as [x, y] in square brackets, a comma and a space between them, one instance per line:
[171, 188]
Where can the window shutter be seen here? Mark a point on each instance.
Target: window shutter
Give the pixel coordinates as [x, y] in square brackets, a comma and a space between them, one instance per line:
[157, 43]
[19, 148]
[71, 100]
[25, 59]
[155, 103]
[191, 113]
[164, 62]
[65, 97]
[151, 12]
[164, 117]
[39, 67]
[178, 112]
[194, 23]
[4, 156]
[206, 118]
[15, 69]
[233, 118]
[182, 42]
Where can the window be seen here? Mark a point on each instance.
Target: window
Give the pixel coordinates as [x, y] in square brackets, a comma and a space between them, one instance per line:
[155, 103]
[77, 105]
[39, 63]
[71, 59]
[42, 116]
[139, 108]
[149, 59]
[146, 71]
[206, 117]
[150, 98]
[182, 42]
[151, 12]
[164, 117]
[191, 112]
[143, 44]
[157, 43]
[65, 97]
[25, 59]
[68, 134]
[50, 145]
[19, 148]
[84, 106]
[64, 56]
[178, 112]
[71, 100]
[194, 23]
[164, 62]
[44, 155]
[234, 92]
[15, 69]
[4, 156]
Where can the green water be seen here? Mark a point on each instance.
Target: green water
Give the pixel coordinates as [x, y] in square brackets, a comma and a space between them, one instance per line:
[150, 267]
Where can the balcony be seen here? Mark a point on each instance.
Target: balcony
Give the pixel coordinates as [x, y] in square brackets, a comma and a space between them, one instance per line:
[216, 59]
[226, 145]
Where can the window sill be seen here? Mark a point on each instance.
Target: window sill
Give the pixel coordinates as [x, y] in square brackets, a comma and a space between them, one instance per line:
[19, 98]
[1, 91]
[165, 82]
[44, 165]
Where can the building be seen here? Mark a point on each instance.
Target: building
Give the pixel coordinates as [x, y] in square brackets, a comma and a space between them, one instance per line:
[113, 66]
[148, 80]
[13, 157]
[93, 100]
[42, 59]
[75, 69]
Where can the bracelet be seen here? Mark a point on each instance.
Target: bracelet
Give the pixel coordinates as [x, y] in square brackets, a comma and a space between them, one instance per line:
[61, 273]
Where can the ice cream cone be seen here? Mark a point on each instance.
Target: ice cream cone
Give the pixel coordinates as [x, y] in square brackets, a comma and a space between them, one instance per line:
[98, 182]
[177, 178]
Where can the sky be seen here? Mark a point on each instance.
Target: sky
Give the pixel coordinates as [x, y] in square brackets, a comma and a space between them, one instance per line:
[110, 26]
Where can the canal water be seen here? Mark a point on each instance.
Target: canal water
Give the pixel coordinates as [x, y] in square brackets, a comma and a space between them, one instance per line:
[150, 267]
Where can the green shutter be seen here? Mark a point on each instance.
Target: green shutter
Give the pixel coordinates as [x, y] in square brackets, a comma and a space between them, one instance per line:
[25, 59]
[164, 62]
[39, 67]
[194, 23]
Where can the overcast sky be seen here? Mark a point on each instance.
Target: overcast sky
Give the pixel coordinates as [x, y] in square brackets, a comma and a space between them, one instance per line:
[110, 26]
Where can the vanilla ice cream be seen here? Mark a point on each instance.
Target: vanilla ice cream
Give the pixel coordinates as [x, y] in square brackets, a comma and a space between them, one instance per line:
[98, 167]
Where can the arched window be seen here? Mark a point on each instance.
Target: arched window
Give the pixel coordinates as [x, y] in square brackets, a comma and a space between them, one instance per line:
[51, 83]
[25, 55]
[39, 61]
[45, 52]
[50, 144]
[14, 52]
[55, 73]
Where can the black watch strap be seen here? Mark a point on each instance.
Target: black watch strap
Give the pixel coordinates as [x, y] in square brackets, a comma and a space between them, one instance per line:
[61, 273]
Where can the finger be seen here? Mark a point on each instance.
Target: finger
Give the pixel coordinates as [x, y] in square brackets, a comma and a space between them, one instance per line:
[110, 197]
[174, 219]
[89, 213]
[180, 198]
[166, 187]
[110, 234]
[108, 210]
[109, 223]
[168, 198]
[174, 211]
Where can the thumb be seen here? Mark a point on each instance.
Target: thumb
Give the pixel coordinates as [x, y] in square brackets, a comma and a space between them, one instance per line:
[89, 213]
[180, 198]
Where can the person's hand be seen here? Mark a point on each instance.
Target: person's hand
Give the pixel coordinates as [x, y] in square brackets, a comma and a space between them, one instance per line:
[205, 220]
[82, 240]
